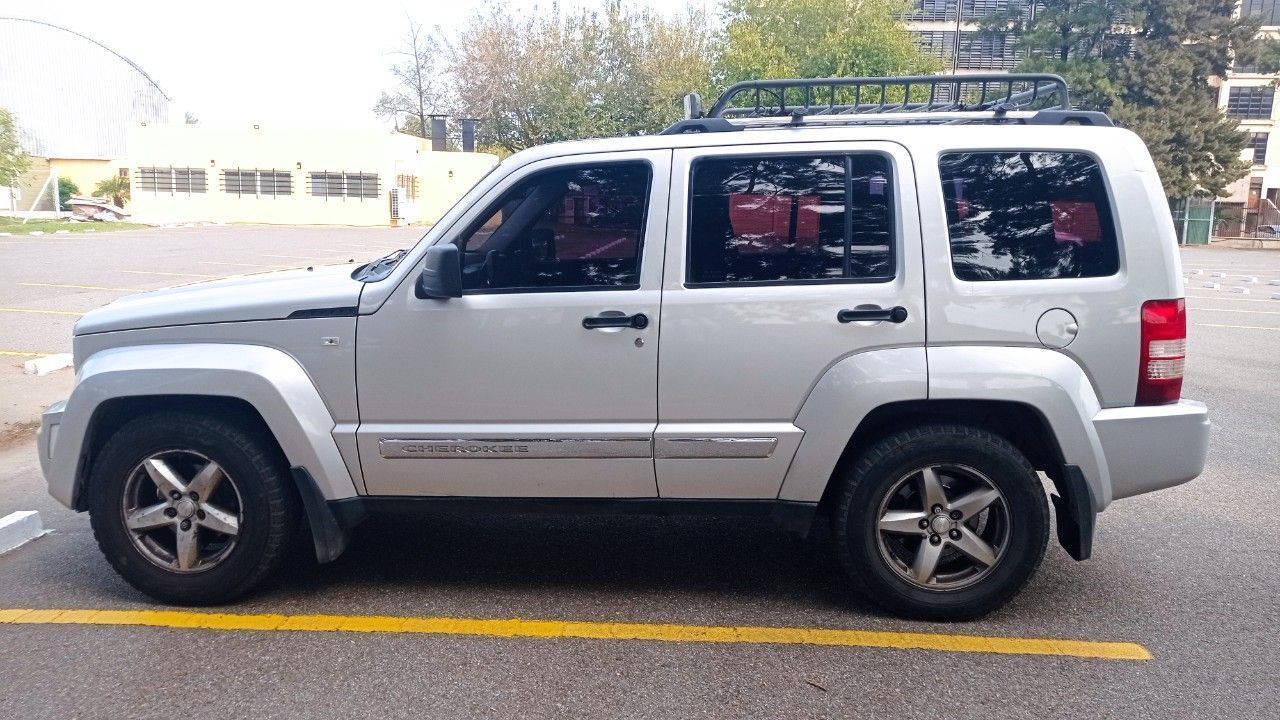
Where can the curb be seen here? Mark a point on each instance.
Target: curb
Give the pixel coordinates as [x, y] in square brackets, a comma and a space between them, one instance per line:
[19, 528]
[46, 364]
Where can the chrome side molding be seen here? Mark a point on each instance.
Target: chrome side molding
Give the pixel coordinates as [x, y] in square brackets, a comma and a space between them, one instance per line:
[715, 447]
[512, 448]
[559, 448]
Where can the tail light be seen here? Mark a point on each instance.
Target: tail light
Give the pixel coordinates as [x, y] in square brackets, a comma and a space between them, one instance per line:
[1164, 351]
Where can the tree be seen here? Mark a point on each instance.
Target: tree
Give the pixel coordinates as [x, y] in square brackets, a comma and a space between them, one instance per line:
[420, 90]
[1077, 39]
[556, 76]
[817, 38]
[115, 187]
[1148, 63]
[13, 161]
[66, 188]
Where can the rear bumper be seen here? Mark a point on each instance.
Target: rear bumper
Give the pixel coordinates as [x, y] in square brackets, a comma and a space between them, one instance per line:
[1154, 447]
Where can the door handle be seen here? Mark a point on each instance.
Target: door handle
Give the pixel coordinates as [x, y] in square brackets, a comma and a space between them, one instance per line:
[639, 321]
[896, 314]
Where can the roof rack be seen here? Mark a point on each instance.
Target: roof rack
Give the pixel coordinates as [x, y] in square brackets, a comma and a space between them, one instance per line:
[1034, 98]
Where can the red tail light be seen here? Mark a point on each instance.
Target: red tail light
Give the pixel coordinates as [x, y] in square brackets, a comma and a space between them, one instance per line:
[1164, 351]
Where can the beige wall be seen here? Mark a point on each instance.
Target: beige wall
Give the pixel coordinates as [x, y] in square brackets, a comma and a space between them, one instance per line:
[86, 173]
[442, 176]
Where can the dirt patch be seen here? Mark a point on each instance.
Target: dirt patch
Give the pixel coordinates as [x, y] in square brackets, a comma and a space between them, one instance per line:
[17, 432]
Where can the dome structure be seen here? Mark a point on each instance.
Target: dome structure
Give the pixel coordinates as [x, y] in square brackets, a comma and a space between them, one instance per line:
[73, 96]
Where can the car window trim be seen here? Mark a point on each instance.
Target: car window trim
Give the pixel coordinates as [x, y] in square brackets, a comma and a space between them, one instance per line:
[459, 239]
[847, 156]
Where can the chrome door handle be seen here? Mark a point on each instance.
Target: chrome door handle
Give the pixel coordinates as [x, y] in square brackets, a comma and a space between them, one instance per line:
[896, 314]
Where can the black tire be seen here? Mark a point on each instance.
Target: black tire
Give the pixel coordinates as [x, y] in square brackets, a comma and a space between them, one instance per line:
[881, 467]
[269, 505]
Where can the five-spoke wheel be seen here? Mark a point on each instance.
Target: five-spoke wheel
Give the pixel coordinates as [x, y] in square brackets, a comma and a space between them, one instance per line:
[182, 510]
[941, 522]
[943, 527]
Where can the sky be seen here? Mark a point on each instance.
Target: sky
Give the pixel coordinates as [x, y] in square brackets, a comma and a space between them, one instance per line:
[285, 63]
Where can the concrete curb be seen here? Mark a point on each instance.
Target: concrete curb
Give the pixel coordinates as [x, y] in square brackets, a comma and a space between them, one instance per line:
[19, 528]
[46, 364]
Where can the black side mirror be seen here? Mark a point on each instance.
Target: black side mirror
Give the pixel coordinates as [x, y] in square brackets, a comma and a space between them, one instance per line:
[442, 273]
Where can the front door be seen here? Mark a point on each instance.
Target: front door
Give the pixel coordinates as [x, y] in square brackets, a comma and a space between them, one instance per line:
[541, 380]
[782, 260]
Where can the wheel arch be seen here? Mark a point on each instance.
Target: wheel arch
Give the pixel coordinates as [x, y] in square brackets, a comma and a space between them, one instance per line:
[258, 385]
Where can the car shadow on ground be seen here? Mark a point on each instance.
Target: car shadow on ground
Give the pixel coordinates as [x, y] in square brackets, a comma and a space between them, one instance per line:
[623, 555]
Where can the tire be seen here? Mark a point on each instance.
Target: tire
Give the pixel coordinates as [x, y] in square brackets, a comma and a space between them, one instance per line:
[877, 526]
[253, 489]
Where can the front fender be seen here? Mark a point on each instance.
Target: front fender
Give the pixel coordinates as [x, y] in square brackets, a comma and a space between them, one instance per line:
[1043, 379]
[268, 379]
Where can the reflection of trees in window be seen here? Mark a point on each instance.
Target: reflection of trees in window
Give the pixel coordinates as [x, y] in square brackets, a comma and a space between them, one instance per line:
[1029, 215]
[789, 218]
[575, 227]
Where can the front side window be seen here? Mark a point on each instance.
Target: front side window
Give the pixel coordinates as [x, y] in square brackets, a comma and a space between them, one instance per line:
[790, 219]
[1028, 216]
[577, 228]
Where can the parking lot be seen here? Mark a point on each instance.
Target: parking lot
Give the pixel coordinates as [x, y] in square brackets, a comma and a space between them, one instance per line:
[676, 617]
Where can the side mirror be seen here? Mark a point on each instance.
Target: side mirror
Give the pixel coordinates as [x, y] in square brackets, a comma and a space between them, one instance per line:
[442, 274]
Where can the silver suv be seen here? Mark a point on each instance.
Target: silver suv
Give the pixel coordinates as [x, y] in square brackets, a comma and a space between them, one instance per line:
[897, 306]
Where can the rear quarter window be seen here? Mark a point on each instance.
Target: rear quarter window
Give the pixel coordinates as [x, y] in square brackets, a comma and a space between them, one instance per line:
[1028, 216]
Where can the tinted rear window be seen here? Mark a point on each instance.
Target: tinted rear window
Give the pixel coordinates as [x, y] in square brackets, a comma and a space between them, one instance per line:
[1028, 216]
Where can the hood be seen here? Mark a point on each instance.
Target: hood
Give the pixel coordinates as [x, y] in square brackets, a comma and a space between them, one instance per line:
[325, 291]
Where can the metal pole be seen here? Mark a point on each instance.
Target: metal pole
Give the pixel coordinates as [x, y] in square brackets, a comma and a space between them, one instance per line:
[57, 194]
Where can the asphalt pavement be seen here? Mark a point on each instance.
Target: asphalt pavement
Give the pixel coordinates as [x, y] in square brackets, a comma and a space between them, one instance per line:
[1190, 573]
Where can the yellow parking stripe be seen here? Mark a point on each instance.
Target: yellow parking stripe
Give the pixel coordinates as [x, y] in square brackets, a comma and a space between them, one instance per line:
[1237, 327]
[83, 287]
[40, 312]
[20, 353]
[583, 630]
[170, 274]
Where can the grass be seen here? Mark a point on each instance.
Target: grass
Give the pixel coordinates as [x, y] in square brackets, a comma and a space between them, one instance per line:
[16, 227]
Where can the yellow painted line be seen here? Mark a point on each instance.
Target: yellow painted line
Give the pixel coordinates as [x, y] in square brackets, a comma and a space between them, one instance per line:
[83, 287]
[550, 629]
[1237, 310]
[170, 274]
[236, 264]
[22, 353]
[1238, 327]
[40, 312]
[1228, 298]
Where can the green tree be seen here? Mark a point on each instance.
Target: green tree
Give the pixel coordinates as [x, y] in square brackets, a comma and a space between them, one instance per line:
[115, 187]
[1148, 63]
[566, 75]
[774, 39]
[1077, 39]
[14, 163]
[66, 188]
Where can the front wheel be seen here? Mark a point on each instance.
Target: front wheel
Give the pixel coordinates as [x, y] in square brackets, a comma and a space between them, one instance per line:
[191, 509]
[942, 522]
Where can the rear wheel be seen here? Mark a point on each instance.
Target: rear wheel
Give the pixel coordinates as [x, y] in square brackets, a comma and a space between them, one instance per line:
[190, 509]
[942, 522]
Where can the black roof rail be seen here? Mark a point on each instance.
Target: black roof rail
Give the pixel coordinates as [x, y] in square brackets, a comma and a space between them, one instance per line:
[793, 101]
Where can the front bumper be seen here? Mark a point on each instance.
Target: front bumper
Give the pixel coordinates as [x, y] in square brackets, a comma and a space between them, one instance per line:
[1154, 447]
[60, 487]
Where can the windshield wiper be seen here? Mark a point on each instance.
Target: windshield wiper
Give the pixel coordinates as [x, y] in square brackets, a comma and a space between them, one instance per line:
[380, 268]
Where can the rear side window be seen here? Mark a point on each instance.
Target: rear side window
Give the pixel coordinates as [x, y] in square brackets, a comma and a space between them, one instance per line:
[1028, 216]
[790, 219]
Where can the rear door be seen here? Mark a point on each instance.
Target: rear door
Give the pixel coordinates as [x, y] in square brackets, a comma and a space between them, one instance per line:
[781, 260]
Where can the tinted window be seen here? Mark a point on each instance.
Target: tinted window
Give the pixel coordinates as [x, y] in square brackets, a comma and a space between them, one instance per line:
[1028, 216]
[790, 219]
[573, 228]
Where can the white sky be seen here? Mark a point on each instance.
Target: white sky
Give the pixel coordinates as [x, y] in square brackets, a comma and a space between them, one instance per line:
[268, 61]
